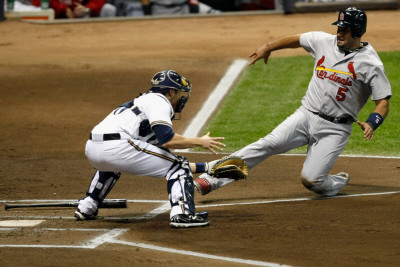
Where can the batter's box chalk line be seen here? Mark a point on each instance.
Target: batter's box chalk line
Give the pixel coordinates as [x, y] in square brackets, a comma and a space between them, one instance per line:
[110, 236]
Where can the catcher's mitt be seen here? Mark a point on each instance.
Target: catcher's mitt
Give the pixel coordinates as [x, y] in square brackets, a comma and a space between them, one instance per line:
[231, 166]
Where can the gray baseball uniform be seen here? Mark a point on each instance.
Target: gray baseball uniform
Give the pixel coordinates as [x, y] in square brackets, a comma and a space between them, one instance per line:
[340, 86]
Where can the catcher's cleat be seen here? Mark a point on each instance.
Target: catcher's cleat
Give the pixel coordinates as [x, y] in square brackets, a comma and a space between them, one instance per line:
[189, 220]
[81, 216]
[202, 185]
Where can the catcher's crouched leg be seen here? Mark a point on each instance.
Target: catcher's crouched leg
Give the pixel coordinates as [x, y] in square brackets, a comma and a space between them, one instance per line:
[101, 185]
[181, 194]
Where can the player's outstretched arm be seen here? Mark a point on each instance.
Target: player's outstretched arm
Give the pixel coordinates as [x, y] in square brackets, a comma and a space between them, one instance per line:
[376, 118]
[206, 141]
[264, 51]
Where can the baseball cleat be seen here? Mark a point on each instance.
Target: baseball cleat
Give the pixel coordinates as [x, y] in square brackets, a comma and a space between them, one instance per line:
[345, 175]
[341, 179]
[81, 216]
[202, 185]
[189, 220]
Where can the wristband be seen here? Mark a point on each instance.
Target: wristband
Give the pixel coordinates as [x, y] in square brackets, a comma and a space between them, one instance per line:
[375, 120]
[200, 167]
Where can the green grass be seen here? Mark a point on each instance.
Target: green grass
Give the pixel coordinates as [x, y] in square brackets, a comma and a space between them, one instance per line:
[267, 94]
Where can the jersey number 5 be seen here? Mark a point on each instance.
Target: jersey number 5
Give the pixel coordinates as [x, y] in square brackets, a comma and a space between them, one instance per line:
[341, 94]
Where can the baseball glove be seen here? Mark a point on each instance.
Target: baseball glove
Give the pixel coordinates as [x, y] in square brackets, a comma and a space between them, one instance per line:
[231, 166]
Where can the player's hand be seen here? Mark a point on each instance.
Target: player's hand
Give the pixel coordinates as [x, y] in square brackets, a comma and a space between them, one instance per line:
[368, 131]
[211, 143]
[261, 52]
[79, 10]
[69, 13]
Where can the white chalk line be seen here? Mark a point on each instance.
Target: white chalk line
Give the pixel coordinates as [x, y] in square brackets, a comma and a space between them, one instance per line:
[295, 199]
[110, 236]
[107, 237]
[197, 254]
[303, 155]
[214, 99]
[165, 206]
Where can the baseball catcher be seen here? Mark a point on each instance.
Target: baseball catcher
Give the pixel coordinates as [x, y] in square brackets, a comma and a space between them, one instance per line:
[136, 138]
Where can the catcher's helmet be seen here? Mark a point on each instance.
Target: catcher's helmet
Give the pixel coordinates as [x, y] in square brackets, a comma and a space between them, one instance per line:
[355, 19]
[166, 80]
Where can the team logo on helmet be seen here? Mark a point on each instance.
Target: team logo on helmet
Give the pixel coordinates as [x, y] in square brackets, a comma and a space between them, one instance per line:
[341, 17]
[158, 77]
[184, 82]
[175, 77]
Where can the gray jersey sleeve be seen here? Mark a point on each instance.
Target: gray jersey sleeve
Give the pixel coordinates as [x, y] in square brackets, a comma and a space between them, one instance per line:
[380, 86]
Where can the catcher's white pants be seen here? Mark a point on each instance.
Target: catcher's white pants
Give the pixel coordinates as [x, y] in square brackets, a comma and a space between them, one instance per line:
[130, 156]
[134, 157]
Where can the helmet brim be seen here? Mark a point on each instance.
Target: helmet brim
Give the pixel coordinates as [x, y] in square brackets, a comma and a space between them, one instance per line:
[341, 23]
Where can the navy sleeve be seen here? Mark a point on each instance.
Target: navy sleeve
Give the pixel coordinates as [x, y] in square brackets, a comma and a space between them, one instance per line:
[163, 133]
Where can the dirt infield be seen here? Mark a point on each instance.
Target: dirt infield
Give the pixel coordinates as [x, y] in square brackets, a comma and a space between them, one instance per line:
[58, 81]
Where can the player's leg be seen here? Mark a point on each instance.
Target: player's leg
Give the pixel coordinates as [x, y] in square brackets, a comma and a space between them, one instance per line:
[290, 134]
[158, 162]
[110, 158]
[330, 141]
[141, 158]
[100, 186]
[181, 194]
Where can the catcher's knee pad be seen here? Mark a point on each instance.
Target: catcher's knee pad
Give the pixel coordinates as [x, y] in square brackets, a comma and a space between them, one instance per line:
[101, 185]
[180, 186]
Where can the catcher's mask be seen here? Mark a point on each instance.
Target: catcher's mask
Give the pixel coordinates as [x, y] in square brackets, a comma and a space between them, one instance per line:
[166, 80]
[355, 19]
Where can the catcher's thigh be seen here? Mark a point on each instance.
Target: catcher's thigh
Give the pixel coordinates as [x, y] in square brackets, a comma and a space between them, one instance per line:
[130, 156]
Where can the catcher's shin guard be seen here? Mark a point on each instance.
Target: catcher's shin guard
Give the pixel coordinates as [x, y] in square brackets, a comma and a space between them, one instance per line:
[180, 188]
[101, 185]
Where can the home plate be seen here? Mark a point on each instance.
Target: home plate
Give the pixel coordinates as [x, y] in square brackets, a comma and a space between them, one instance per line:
[20, 223]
